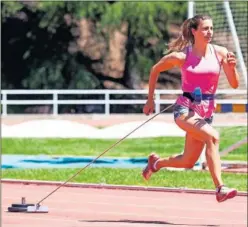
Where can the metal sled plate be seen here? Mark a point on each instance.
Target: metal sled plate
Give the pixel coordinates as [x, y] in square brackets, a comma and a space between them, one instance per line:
[17, 209]
[29, 209]
[37, 209]
[22, 205]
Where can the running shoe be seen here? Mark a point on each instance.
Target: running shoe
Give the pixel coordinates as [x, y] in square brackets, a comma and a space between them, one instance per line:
[223, 193]
[149, 169]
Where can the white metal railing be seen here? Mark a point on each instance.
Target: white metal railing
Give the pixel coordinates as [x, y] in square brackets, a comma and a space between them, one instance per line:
[106, 101]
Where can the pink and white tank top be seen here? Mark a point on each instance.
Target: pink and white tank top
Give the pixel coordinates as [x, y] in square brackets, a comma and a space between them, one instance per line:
[200, 72]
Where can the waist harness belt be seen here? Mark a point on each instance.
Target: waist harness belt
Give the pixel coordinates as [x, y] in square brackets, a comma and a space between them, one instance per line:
[204, 96]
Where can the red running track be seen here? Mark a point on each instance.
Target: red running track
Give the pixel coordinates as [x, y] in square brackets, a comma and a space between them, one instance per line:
[91, 207]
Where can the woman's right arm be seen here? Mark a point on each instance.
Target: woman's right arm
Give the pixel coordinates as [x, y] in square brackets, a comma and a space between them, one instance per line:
[175, 59]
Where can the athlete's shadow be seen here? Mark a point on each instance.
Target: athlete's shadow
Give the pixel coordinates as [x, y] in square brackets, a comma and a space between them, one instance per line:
[144, 222]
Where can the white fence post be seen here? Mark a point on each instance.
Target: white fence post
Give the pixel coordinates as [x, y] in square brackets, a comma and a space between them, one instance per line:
[4, 104]
[55, 103]
[157, 102]
[107, 105]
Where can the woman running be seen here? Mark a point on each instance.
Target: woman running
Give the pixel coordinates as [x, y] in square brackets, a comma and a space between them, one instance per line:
[200, 63]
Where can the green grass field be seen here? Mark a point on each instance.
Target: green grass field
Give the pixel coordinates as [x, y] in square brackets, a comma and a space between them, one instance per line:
[128, 148]
[164, 178]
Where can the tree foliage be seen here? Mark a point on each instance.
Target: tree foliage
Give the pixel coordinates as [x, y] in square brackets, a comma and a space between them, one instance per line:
[36, 38]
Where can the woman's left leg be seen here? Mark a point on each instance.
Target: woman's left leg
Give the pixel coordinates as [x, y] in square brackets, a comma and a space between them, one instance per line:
[192, 151]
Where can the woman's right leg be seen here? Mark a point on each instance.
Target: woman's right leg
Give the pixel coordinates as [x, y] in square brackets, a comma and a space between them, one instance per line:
[200, 130]
[206, 133]
[210, 136]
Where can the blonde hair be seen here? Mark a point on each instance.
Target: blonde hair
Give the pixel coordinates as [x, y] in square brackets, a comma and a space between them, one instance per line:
[187, 38]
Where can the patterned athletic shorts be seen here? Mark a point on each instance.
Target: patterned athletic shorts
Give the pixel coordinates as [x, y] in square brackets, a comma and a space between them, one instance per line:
[180, 110]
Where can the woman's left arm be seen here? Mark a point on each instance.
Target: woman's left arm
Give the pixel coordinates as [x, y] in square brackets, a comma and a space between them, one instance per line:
[229, 66]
